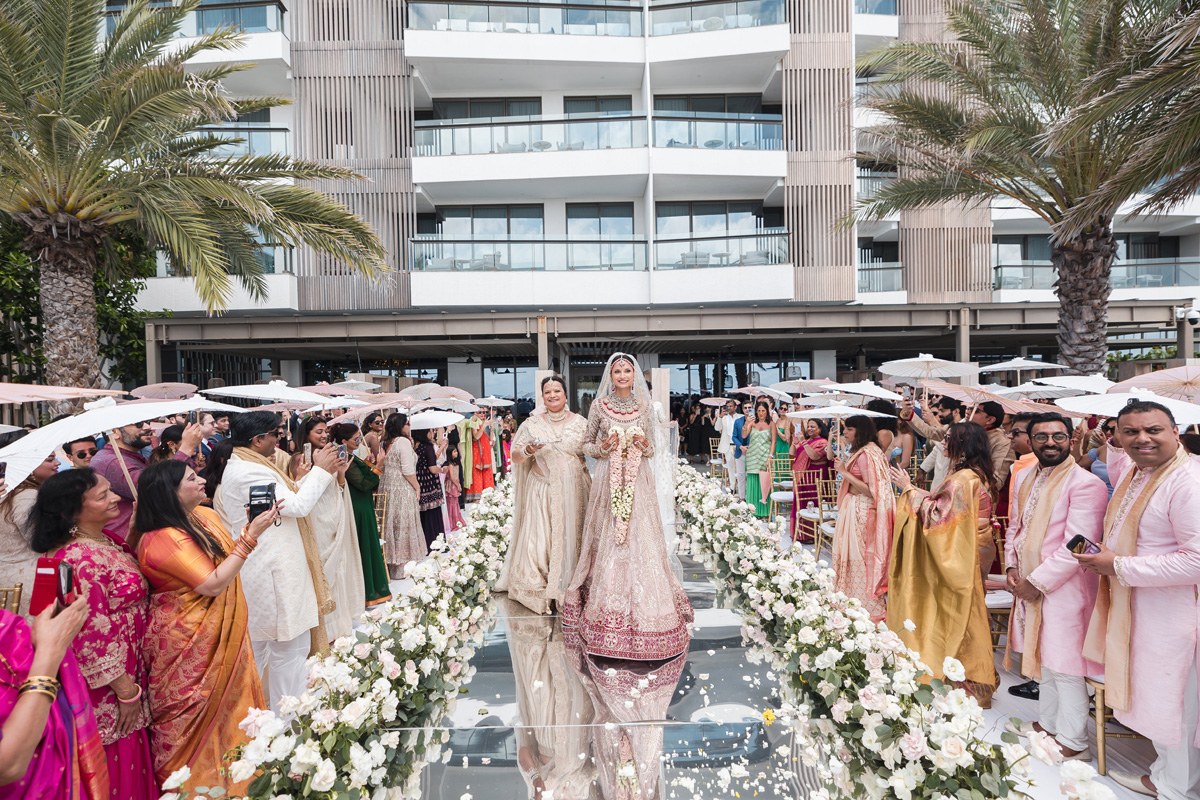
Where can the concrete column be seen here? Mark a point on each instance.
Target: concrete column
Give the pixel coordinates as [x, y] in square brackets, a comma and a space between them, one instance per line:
[1185, 339]
[465, 376]
[660, 387]
[648, 360]
[962, 336]
[824, 364]
[292, 371]
[543, 344]
[153, 355]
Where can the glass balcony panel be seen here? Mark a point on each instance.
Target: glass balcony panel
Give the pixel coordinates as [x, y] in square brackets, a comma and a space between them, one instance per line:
[887, 7]
[529, 134]
[757, 248]
[251, 17]
[719, 131]
[598, 20]
[715, 16]
[503, 253]
[880, 276]
[256, 142]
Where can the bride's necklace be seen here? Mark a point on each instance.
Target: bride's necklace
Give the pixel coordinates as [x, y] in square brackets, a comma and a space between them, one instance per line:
[622, 405]
[559, 417]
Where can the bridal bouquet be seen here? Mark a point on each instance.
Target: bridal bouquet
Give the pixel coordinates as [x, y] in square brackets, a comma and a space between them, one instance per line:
[622, 473]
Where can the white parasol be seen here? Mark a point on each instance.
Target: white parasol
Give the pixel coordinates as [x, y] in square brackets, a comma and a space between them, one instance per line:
[1020, 365]
[332, 390]
[35, 393]
[713, 401]
[384, 403]
[452, 404]
[1096, 384]
[866, 388]
[336, 402]
[1037, 391]
[837, 410]
[975, 395]
[434, 419]
[926, 366]
[442, 392]
[164, 391]
[275, 391]
[356, 386]
[801, 386]
[493, 402]
[1178, 383]
[1109, 405]
[420, 391]
[24, 455]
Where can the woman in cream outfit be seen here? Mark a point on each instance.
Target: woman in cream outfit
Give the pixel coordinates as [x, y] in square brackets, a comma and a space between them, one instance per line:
[550, 495]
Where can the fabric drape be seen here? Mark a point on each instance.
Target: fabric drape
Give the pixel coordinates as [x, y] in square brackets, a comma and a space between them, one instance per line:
[203, 677]
[862, 545]
[334, 528]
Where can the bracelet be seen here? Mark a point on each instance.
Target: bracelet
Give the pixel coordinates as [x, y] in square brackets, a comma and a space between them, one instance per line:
[38, 690]
[244, 547]
[525, 450]
[131, 700]
[40, 683]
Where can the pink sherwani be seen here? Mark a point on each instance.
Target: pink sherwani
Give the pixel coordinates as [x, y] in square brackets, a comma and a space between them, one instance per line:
[1166, 611]
[1069, 591]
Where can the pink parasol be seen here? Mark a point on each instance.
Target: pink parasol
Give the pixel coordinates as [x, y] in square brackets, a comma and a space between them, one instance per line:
[164, 391]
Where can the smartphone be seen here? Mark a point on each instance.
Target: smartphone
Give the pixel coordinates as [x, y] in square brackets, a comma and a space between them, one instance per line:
[308, 452]
[193, 417]
[1081, 545]
[64, 588]
[342, 452]
[262, 499]
[3, 470]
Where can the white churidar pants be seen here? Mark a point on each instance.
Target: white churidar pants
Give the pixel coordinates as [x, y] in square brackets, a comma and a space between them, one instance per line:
[287, 676]
[739, 476]
[1063, 708]
[1176, 771]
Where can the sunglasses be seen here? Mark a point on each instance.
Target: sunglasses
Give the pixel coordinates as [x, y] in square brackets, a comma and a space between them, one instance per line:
[82, 453]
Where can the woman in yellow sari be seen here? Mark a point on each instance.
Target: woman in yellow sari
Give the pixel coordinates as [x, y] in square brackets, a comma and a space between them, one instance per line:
[203, 679]
[936, 578]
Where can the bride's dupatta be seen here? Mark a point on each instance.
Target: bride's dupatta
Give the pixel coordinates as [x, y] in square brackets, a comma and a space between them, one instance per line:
[69, 761]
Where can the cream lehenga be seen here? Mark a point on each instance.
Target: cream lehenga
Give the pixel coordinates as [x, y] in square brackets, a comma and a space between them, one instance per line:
[624, 599]
[550, 493]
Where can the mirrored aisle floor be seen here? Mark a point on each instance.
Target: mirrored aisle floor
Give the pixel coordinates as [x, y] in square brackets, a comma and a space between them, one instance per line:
[541, 720]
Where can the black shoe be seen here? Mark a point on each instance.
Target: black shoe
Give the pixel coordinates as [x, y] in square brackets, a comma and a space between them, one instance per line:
[1028, 690]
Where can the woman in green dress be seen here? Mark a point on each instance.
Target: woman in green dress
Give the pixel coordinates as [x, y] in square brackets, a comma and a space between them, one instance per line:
[784, 430]
[362, 480]
[758, 460]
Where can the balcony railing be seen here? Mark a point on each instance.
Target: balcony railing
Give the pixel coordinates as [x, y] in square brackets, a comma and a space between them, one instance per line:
[886, 7]
[441, 253]
[530, 134]
[249, 17]
[1129, 274]
[881, 276]
[718, 131]
[275, 260]
[593, 19]
[870, 182]
[255, 141]
[753, 248]
[668, 18]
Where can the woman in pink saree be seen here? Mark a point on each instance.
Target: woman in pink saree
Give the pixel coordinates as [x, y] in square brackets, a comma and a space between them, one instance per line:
[624, 598]
[811, 464]
[69, 518]
[862, 545]
[57, 739]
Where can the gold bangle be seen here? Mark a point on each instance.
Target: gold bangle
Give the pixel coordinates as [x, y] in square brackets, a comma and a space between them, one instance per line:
[38, 690]
[40, 681]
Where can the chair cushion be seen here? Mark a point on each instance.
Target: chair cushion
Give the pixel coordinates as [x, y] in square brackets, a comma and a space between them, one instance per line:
[998, 599]
[781, 497]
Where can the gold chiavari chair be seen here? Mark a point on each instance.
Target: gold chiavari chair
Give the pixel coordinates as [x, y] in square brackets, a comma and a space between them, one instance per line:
[827, 492]
[1102, 714]
[716, 462]
[10, 598]
[999, 604]
[783, 489]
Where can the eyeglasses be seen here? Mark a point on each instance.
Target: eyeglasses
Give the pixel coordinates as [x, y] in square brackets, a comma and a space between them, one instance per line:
[1042, 438]
[1014, 433]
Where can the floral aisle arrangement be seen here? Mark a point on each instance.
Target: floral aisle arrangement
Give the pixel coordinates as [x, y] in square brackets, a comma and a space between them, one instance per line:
[368, 722]
[622, 474]
[871, 722]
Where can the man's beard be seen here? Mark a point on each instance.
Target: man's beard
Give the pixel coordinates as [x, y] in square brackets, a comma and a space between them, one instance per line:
[1058, 459]
[134, 441]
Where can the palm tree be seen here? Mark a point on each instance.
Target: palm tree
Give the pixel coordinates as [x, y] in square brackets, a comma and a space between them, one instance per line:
[971, 121]
[104, 135]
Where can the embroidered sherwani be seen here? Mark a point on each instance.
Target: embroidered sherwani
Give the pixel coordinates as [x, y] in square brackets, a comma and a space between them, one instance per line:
[1165, 577]
[1068, 590]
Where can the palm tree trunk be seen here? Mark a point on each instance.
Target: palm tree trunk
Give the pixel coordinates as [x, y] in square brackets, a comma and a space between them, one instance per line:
[66, 253]
[1084, 265]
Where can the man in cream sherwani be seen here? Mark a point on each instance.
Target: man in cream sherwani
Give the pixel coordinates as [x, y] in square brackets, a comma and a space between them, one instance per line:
[278, 584]
[1052, 502]
[725, 446]
[1144, 627]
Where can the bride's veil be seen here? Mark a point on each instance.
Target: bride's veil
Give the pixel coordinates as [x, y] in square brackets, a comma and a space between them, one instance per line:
[641, 389]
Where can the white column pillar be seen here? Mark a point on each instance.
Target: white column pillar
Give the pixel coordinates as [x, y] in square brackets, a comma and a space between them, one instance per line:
[824, 364]
[468, 377]
[292, 371]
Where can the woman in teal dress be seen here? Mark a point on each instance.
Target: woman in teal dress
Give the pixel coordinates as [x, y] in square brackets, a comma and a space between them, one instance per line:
[363, 480]
[758, 460]
[784, 429]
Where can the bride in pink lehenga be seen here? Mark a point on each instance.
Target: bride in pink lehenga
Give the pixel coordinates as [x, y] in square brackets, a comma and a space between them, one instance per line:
[624, 599]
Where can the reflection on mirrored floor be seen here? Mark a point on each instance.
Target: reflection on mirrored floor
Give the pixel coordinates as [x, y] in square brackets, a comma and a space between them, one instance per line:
[544, 720]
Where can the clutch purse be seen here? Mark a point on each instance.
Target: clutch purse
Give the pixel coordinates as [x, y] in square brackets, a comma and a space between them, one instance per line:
[45, 585]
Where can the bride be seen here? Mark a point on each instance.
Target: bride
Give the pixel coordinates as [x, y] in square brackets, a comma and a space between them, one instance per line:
[549, 495]
[624, 598]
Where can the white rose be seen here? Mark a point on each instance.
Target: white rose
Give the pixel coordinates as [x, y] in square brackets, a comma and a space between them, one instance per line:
[281, 747]
[953, 669]
[955, 750]
[240, 771]
[1044, 748]
[306, 756]
[325, 776]
[177, 778]
[807, 635]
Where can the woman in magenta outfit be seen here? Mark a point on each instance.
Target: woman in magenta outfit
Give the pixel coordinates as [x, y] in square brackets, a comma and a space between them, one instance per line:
[811, 464]
[49, 747]
[68, 522]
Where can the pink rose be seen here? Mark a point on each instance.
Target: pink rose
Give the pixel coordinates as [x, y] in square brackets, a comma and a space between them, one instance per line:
[455, 668]
[913, 745]
[874, 661]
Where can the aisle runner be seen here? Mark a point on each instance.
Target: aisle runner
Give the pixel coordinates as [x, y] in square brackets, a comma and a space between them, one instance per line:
[869, 725]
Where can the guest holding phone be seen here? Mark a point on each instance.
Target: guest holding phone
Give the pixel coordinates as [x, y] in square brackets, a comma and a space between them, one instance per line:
[68, 520]
[18, 561]
[363, 480]
[202, 679]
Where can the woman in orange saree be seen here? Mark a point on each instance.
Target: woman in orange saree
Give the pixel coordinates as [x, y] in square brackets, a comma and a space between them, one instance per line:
[203, 679]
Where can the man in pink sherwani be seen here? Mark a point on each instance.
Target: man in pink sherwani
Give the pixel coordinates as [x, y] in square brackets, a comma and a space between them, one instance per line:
[1053, 502]
[1145, 626]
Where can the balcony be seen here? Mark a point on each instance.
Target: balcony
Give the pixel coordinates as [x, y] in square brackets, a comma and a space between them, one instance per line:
[756, 248]
[871, 181]
[530, 134]
[877, 7]
[440, 253]
[880, 276]
[718, 131]
[254, 141]
[603, 19]
[248, 17]
[1144, 273]
[669, 19]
